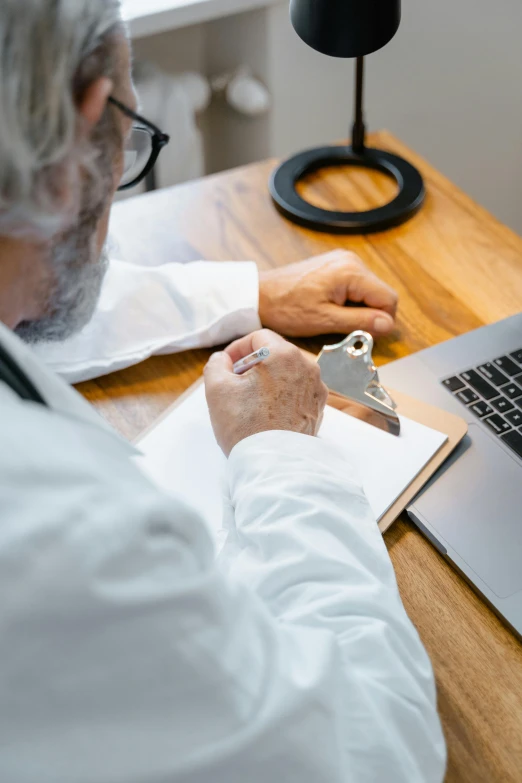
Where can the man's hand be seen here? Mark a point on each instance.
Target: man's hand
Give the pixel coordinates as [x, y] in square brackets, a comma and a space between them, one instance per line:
[284, 392]
[308, 298]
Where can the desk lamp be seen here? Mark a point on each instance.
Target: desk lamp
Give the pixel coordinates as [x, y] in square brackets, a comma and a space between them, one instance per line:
[347, 29]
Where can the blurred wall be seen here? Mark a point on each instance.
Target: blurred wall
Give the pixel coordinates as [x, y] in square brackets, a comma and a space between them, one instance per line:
[449, 84]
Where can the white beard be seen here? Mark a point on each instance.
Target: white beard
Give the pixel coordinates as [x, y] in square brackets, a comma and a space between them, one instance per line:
[77, 282]
[76, 272]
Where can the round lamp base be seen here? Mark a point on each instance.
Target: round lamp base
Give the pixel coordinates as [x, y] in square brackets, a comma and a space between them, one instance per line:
[407, 202]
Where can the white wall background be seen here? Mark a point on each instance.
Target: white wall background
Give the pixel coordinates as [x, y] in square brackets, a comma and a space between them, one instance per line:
[449, 84]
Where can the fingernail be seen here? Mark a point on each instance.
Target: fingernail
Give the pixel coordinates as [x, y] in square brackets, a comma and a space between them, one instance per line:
[383, 324]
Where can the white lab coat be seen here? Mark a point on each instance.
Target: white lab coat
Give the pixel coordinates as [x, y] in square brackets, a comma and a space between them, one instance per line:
[128, 654]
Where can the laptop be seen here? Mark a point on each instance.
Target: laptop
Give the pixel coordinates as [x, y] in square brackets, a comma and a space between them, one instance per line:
[471, 510]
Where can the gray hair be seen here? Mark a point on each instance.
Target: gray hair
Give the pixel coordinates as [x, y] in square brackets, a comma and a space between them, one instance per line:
[50, 50]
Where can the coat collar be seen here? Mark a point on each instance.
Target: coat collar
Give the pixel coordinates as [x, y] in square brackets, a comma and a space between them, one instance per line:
[59, 396]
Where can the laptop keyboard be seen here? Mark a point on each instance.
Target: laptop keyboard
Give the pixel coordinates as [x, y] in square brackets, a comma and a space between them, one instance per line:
[493, 393]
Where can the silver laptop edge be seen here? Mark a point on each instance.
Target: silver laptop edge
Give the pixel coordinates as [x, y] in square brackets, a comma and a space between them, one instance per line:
[471, 510]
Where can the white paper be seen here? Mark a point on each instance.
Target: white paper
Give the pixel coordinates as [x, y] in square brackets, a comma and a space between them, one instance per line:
[387, 464]
[181, 455]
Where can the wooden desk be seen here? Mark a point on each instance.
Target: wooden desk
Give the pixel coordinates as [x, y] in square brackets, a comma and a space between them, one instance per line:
[456, 268]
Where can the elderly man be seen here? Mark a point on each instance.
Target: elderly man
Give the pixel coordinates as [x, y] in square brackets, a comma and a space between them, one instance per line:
[128, 654]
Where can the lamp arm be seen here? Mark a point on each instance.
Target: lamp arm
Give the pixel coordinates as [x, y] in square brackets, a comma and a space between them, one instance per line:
[359, 129]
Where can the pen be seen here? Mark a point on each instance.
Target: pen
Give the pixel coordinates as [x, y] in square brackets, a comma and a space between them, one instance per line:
[251, 360]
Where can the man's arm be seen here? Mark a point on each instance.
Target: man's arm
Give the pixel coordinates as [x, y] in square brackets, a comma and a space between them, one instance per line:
[146, 310]
[306, 541]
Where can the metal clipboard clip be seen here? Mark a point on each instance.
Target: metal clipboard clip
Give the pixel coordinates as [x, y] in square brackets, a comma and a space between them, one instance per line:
[348, 370]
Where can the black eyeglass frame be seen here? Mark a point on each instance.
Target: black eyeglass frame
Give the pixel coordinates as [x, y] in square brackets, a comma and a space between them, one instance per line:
[159, 140]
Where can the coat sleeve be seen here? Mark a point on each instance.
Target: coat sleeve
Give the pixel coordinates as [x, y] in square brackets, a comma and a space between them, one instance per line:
[130, 654]
[146, 310]
[306, 542]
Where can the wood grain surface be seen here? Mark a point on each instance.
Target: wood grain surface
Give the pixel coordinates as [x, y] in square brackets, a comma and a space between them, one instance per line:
[455, 268]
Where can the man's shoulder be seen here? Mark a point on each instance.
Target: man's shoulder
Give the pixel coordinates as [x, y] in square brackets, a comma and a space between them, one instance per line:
[39, 438]
[57, 469]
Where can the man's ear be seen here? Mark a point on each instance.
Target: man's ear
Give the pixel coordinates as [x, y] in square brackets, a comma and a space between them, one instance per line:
[94, 100]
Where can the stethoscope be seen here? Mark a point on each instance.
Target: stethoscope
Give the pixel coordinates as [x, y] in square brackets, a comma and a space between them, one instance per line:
[13, 375]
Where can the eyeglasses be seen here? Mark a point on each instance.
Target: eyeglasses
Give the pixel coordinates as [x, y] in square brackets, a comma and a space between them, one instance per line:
[142, 147]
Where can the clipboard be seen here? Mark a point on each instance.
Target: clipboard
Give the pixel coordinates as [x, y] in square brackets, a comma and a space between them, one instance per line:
[450, 425]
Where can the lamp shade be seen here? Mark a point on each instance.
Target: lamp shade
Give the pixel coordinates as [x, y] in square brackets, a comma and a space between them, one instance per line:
[346, 28]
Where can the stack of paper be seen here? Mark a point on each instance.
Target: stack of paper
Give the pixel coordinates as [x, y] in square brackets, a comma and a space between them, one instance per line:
[180, 454]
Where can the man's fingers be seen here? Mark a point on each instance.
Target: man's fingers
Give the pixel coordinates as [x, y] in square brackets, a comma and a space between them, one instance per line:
[252, 342]
[348, 319]
[219, 368]
[240, 348]
[363, 286]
